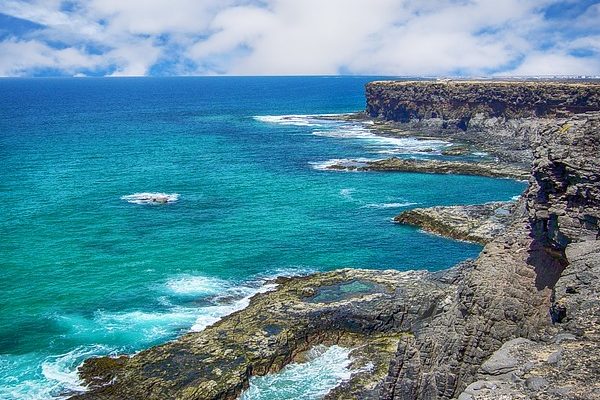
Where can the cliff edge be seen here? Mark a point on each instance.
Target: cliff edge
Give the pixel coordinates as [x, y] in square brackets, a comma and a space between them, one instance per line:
[500, 117]
[521, 321]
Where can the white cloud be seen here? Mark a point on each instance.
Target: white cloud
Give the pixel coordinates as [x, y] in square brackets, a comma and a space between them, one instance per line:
[560, 63]
[19, 58]
[396, 37]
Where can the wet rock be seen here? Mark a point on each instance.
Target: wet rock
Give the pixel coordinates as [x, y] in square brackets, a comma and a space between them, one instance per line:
[395, 164]
[369, 311]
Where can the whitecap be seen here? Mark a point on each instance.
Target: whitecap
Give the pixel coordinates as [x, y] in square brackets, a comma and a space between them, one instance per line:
[290, 119]
[384, 144]
[347, 192]
[346, 164]
[196, 285]
[37, 376]
[212, 314]
[388, 205]
[151, 198]
[62, 369]
[299, 119]
[325, 368]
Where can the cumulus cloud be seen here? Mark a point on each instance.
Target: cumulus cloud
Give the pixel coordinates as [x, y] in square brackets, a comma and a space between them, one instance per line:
[21, 58]
[284, 37]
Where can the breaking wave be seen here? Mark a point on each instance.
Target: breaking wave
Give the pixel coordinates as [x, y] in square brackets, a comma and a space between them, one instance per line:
[325, 368]
[151, 198]
[389, 205]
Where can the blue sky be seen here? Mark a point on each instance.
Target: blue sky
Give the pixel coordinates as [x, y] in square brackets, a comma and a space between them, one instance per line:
[299, 37]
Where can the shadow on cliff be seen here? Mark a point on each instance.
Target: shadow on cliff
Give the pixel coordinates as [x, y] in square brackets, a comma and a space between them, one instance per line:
[547, 262]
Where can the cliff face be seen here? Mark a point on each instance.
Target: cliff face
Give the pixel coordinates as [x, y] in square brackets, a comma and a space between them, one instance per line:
[500, 117]
[529, 284]
[459, 101]
[564, 195]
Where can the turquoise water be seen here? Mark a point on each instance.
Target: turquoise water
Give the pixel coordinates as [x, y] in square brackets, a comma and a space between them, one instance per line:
[86, 272]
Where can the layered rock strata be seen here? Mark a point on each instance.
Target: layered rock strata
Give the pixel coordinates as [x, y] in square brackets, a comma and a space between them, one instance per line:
[479, 223]
[499, 117]
[567, 364]
[514, 292]
[564, 198]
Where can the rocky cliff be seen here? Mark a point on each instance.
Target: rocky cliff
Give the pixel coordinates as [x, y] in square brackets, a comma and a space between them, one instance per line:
[498, 116]
[521, 321]
[526, 289]
[564, 197]
[457, 102]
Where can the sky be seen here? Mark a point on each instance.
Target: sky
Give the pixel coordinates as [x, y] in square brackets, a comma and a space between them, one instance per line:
[462, 38]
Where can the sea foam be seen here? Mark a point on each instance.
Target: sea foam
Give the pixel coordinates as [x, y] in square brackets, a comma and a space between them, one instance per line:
[325, 368]
[346, 164]
[59, 372]
[196, 285]
[151, 198]
[389, 205]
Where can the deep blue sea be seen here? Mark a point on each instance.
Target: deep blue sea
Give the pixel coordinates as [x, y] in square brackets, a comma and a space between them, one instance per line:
[86, 270]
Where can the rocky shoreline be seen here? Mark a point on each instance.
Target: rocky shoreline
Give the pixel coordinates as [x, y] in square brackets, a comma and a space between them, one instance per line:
[520, 321]
[394, 164]
[479, 223]
[368, 311]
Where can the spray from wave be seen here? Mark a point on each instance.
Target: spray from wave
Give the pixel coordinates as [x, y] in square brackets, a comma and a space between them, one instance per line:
[325, 368]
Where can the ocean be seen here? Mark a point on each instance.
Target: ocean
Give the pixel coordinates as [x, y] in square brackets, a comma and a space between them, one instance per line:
[91, 266]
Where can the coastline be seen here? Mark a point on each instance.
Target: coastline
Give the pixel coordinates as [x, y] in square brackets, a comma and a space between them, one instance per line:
[443, 363]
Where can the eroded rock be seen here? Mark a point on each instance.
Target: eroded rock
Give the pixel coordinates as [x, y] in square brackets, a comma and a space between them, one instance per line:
[366, 310]
[479, 223]
[396, 164]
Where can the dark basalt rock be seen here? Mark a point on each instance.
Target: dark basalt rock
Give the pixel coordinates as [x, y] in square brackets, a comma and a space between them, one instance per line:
[368, 311]
[497, 117]
[394, 164]
[457, 102]
[564, 197]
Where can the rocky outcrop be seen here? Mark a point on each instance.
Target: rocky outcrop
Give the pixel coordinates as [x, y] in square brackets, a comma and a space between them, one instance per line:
[365, 310]
[501, 297]
[459, 101]
[516, 291]
[564, 197]
[479, 223]
[566, 365]
[563, 211]
[498, 117]
[395, 164]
